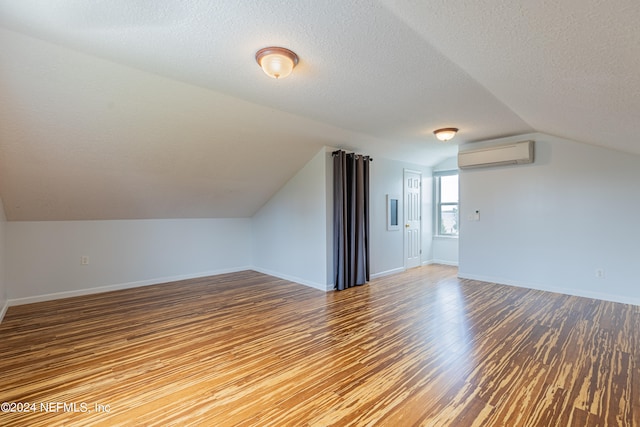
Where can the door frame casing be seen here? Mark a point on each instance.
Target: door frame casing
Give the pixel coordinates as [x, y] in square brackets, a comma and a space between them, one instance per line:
[404, 215]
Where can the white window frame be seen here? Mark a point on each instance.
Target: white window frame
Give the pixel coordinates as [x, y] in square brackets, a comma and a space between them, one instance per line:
[438, 204]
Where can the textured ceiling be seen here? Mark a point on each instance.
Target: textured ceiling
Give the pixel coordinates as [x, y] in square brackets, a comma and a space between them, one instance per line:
[568, 68]
[118, 109]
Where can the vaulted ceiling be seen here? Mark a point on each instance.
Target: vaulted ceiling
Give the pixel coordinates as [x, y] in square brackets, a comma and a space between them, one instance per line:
[119, 109]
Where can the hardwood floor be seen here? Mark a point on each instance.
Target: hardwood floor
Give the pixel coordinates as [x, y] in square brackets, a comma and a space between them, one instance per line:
[245, 349]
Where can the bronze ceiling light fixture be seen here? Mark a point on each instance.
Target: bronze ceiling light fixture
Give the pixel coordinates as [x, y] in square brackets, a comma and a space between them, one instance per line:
[276, 62]
[445, 134]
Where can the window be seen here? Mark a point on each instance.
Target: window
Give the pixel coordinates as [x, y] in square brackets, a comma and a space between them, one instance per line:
[446, 203]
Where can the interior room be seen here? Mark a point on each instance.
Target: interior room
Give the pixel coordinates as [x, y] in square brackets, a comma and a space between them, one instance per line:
[167, 213]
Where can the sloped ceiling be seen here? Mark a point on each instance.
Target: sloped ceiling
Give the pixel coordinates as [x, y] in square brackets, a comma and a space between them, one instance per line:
[119, 109]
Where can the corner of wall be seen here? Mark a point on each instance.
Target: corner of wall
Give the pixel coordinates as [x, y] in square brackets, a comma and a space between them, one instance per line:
[387, 178]
[330, 282]
[289, 233]
[4, 303]
[520, 239]
[444, 250]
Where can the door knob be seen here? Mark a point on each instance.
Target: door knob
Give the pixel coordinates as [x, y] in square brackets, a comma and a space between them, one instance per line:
[407, 226]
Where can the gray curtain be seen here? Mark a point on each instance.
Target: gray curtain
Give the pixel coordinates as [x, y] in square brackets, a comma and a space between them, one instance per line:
[350, 219]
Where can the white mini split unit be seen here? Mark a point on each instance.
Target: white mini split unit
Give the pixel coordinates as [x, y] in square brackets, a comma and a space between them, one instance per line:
[517, 153]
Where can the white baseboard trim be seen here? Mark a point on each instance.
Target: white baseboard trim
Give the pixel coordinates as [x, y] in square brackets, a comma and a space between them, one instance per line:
[444, 262]
[120, 286]
[320, 286]
[388, 272]
[565, 291]
[3, 310]
[329, 287]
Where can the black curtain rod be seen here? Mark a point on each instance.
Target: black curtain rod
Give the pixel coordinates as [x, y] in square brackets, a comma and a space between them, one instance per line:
[335, 153]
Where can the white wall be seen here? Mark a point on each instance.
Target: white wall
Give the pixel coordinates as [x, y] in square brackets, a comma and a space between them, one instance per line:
[290, 232]
[445, 249]
[43, 258]
[289, 237]
[550, 225]
[447, 165]
[387, 247]
[3, 282]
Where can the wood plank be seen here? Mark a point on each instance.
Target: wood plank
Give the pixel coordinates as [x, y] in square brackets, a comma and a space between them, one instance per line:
[420, 348]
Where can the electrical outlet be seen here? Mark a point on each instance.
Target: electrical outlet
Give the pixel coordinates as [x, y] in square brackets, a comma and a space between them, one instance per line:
[600, 273]
[84, 260]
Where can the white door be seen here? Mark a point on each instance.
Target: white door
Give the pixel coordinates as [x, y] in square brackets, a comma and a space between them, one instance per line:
[412, 218]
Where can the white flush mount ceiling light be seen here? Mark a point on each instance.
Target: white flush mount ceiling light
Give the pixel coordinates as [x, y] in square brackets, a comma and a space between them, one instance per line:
[445, 134]
[276, 62]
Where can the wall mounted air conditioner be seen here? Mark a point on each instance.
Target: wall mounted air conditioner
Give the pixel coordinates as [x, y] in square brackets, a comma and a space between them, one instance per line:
[517, 153]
